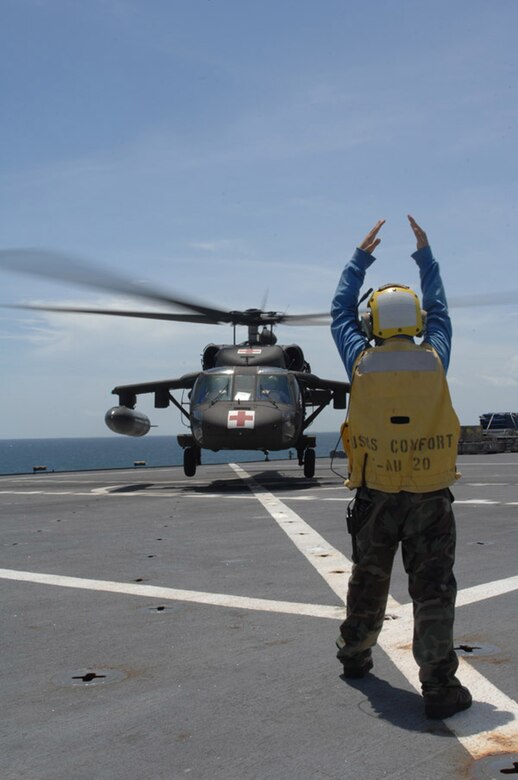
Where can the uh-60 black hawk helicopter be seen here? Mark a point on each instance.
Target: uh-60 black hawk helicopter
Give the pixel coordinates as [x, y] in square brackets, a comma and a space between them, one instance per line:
[255, 395]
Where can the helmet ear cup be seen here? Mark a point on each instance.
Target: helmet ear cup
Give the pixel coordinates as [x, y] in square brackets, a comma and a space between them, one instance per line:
[366, 324]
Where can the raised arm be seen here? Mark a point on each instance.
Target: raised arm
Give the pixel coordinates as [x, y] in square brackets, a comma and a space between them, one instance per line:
[438, 330]
[346, 332]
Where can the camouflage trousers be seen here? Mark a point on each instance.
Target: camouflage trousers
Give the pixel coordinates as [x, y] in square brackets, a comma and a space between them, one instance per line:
[424, 525]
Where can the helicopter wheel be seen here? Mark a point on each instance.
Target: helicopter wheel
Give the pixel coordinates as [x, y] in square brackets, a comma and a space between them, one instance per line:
[309, 463]
[190, 460]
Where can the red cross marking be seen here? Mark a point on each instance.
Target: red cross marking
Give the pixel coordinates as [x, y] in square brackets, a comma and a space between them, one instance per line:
[240, 418]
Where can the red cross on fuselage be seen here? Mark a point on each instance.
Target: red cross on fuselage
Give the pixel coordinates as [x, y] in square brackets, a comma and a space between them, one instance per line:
[241, 417]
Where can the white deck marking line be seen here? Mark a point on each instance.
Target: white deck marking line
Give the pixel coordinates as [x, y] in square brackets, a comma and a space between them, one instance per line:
[467, 596]
[486, 591]
[469, 727]
[402, 611]
[478, 463]
[109, 490]
[44, 493]
[487, 484]
[160, 493]
[177, 594]
[330, 563]
[477, 501]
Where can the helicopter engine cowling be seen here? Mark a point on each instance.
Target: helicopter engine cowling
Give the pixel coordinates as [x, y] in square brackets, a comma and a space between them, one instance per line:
[294, 358]
[129, 422]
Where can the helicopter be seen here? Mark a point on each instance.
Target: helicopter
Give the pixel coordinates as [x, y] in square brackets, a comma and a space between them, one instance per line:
[253, 395]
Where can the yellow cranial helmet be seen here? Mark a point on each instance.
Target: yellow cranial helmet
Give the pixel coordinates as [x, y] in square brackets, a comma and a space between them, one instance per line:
[395, 310]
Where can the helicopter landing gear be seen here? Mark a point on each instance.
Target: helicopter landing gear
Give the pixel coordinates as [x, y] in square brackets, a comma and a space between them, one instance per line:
[309, 463]
[306, 454]
[191, 459]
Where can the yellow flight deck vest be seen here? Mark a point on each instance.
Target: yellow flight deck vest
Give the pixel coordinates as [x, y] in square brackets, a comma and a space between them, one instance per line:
[401, 432]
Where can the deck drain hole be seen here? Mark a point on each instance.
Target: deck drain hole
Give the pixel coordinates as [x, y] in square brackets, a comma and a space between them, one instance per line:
[469, 651]
[499, 765]
[89, 677]
[162, 608]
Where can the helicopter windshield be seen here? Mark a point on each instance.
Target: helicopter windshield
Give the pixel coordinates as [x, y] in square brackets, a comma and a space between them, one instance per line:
[268, 385]
[274, 387]
[244, 387]
[212, 387]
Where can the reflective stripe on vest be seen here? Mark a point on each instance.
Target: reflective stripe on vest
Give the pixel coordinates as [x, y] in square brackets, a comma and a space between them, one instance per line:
[374, 360]
[402, 432]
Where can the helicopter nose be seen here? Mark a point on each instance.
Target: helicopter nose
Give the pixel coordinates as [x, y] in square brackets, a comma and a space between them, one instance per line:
[237, 428]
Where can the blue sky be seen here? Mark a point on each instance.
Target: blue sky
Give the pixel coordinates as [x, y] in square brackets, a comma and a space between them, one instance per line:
[229, 149]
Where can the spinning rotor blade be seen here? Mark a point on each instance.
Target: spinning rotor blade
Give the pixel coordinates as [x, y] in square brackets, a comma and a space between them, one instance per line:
[145, 315]
[483, 299]
[239, 318]
[67, 268]
[61, 267]
[323, 318]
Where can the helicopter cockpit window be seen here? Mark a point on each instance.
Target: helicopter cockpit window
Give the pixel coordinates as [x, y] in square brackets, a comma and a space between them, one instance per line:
[274, 387]
[244, 387]
[212, 387]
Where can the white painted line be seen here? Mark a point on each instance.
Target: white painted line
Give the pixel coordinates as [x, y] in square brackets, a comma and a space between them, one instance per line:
[44, 493]
[108, 490]
[493, 463]
[467, 596]
[329, 562]
[469, 727]
[175, 594]
[347, 499]
[479, 501]
[488, 590]
[487, 484]
[113, 492]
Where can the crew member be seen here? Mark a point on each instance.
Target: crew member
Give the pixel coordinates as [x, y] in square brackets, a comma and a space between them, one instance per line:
[401, 438]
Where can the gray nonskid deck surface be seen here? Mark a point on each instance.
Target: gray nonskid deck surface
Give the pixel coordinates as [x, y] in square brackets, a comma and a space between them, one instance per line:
[155, 626]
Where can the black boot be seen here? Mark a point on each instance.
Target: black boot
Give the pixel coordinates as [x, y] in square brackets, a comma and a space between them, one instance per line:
[354, 666]
[444, 703]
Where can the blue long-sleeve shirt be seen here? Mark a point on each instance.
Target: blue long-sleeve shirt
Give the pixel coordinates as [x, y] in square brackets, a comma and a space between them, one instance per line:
[347, 334]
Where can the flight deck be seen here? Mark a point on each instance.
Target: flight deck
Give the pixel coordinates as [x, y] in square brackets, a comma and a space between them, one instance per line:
[158, 626]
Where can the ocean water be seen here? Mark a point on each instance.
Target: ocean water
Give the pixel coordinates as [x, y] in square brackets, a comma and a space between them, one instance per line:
[21, 456]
